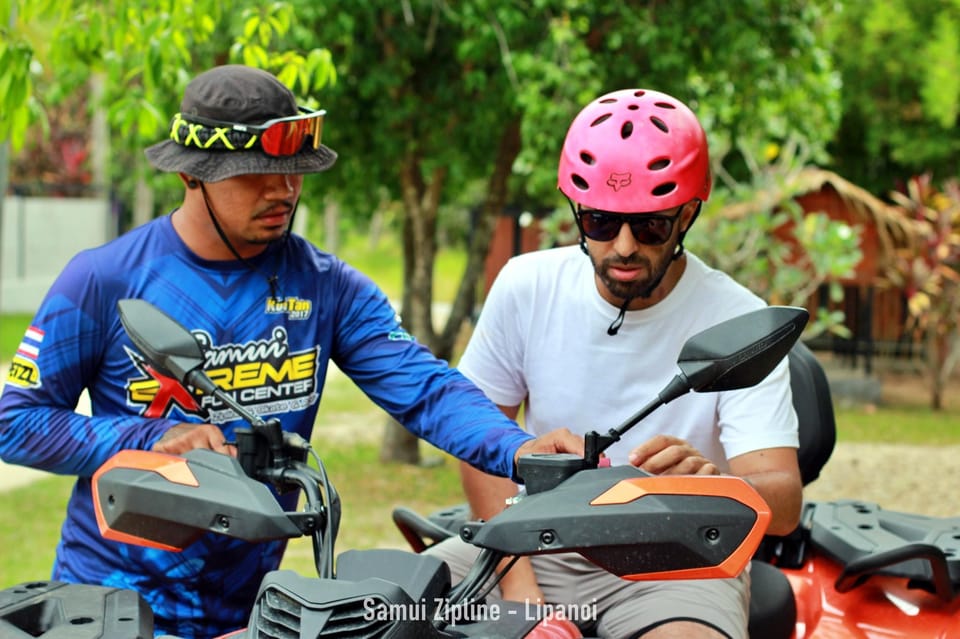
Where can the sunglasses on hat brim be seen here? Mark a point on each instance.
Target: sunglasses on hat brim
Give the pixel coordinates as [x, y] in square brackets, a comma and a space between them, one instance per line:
[652, 229]
[278, 137]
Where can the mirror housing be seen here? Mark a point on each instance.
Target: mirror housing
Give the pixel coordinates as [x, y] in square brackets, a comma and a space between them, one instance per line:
[729, 355]
[165, 343]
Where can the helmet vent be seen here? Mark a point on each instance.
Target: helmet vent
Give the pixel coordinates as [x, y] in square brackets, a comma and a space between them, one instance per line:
[603, 118]
[587, 159]
[665, 105]
[660, 124]
[579, 182]
[664, 189]
[626, 130]
[659, 165]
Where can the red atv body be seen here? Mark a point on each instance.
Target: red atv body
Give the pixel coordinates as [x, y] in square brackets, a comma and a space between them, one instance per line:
[851, 570]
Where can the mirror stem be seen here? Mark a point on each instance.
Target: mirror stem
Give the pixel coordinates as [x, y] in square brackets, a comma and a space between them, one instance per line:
[595, 443]
[271, 430]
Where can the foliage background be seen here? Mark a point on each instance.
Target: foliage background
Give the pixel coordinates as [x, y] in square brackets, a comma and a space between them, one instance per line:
[448, 114]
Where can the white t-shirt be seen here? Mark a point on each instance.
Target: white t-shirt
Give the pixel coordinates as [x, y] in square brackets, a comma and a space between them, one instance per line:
[542, 336]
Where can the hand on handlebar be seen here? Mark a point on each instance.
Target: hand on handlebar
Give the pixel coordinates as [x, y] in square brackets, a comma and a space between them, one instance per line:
[556, 441]
[667, 455]
[186, 436]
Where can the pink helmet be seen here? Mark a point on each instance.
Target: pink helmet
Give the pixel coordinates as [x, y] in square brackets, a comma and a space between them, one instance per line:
[634, 151]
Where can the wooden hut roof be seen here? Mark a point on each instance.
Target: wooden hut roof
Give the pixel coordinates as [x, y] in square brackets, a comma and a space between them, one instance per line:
[894, 229]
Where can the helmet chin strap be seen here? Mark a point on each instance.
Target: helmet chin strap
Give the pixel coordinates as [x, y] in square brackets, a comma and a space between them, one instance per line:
[273, 281]
[614, 327]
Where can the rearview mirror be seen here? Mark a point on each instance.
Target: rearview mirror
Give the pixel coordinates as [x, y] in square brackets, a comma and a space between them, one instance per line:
[165, 343]
[741, 351]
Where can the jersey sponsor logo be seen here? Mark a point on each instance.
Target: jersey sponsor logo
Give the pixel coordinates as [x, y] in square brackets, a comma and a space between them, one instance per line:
[295, 308]
[24, 371]
[264, 376]
[399, 334]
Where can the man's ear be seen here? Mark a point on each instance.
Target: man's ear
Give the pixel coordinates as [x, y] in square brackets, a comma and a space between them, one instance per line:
[689, 213]
[189, 182]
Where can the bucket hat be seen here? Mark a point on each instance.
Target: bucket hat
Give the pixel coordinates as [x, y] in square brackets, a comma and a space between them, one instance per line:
[236, 94]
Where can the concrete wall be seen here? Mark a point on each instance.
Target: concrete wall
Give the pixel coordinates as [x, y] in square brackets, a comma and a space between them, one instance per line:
[38, 236]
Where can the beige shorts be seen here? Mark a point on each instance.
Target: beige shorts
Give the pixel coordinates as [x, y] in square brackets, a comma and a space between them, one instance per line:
[611, 607]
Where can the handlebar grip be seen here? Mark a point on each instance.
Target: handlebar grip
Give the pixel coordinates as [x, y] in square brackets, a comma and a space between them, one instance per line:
[543, 471]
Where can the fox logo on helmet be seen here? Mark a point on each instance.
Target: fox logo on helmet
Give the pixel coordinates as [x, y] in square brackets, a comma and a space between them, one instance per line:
[617, 181]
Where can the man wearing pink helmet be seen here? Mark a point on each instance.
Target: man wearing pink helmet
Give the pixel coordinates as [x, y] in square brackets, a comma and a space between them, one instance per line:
[583, 343]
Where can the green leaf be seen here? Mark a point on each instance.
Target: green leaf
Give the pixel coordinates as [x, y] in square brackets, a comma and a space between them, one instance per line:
[250, 27]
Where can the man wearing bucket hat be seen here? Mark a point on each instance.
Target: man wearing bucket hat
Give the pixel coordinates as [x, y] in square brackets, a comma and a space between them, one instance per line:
[272, 312]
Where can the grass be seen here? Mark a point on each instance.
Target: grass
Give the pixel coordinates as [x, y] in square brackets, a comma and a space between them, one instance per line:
[369, 489]
[12, 328]
[31, 517]
[381, 262]
[899, 424]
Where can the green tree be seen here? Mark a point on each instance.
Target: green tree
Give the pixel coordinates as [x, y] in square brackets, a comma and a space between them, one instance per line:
[142, 53]
[756, 232]
[436, 101]
[900, 67]
[929, 273]
[436, 97]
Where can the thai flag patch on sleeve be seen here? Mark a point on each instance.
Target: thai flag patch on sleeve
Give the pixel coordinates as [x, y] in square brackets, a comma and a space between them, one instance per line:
[23, 370]
[30, 346]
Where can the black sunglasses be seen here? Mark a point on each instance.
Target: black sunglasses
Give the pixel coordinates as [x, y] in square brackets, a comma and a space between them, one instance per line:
[652, 229]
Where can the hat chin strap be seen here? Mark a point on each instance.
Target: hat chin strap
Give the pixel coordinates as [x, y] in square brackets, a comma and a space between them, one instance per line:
[273, 281]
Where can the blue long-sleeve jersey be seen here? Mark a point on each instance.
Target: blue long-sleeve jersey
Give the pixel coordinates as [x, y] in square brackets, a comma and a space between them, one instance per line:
[271, 353]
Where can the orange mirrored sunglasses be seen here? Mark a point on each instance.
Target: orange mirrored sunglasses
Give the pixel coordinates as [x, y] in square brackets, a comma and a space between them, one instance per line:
[278, 137]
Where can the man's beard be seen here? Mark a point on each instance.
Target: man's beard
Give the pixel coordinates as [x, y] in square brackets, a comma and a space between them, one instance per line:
[641, 288]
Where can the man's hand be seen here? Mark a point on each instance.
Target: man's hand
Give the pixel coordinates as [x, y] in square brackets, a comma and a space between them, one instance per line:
[184, 437]
[556, 441]
[667, 455]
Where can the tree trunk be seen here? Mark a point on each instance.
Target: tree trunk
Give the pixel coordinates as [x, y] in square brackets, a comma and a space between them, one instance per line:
[498, 191]
[100, 141]
[399, 445]
[142, 201]
[937, 345]
[421, 202]
[375, 230]
[331, 227]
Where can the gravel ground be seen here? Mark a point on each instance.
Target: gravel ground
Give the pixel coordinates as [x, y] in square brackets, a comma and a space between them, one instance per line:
[916, 479]
[901, 477]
